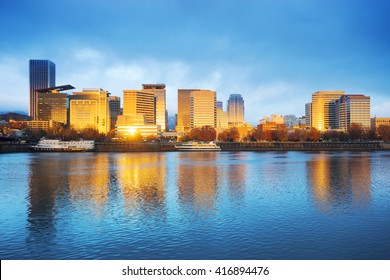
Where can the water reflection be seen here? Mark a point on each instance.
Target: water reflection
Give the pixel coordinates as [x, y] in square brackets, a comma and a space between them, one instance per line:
[141, 177]
[338, 181]
[88, 179]
[237, 176]
[46, 183]
[197, 180]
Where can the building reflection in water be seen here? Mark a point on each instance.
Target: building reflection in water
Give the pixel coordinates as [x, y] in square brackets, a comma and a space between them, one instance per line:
[89, 181]
[141, 177]
[339, 181]
[47, 182]
[197, 179]
[237, 175]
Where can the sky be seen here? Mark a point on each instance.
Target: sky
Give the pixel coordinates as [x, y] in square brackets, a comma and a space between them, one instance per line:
[274, 53]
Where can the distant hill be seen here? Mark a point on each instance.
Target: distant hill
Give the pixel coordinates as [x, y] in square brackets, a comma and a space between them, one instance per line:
[18, 116]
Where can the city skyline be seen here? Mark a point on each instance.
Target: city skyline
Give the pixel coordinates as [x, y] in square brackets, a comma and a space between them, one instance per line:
[274, 55]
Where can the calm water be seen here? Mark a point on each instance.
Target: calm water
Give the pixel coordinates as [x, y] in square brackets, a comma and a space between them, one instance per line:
[238, 205]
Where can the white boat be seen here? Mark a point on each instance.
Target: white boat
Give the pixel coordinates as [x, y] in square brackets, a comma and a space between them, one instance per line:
[198, 146]
[57, 145]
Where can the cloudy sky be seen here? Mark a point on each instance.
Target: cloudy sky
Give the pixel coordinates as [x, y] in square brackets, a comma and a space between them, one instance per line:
[275, 53]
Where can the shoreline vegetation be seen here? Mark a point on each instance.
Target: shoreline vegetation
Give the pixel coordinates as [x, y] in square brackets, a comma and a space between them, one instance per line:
[225, 146]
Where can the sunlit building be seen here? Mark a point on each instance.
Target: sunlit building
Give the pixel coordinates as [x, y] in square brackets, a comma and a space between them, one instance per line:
[376, 122]
[222, 116]
[271, 126]
[52, 104]
[42, 75]
[353, 109]
[279, 119]
[235, 109]
[184, 109]
[130, 125]
[323, 109]
[90, 109]
[160, 103]
[203, 111]
[136, 102]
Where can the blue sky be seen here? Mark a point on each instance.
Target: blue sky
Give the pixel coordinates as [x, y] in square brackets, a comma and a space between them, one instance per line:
[275, 53]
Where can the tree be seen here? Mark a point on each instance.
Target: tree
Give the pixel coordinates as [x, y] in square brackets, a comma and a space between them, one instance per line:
[384, 132]
[356, 131]
[70, 134]
[233, 135]
[222, 136]
[206, 133]
[314, 134]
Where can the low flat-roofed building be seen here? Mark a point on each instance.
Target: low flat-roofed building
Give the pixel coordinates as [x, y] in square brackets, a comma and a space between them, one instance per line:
[145, 130]
[376, 122]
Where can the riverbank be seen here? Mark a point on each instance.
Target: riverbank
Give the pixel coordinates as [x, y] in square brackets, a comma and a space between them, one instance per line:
[225, 146]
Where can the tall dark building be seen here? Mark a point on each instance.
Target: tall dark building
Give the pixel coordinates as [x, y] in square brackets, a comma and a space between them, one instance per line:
[42, 75]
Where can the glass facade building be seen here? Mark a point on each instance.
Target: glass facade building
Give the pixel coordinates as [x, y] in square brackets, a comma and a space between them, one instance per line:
[235, 109]
[42, 75]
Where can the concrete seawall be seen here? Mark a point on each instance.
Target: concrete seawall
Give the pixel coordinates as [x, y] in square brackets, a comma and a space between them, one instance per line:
[262, 146]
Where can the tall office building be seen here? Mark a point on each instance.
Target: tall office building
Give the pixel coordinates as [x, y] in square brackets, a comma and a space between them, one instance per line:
[308, 114]
[235, 109]
[323, 109]
[90, 109]
[42, 75]
[196, 108]
[353, 108]
[136, 102]
[203, 110]
[160, 103]
[115, 109]
[52, 104]
[184, 109]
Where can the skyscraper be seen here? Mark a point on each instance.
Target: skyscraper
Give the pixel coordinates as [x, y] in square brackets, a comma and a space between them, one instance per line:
[42, 75]
[235, 109]
[203, 110]
[137, 102]
[353, 109]
[323, 109]
[115, 109]
[160, 102]
[184, 109]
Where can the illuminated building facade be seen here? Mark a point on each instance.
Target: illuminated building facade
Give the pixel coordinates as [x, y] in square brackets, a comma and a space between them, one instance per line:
[160, 103]
[203, 110]
[184, 109]
[323, 109]
[235, 109]
[137, 102]
[376, 122]
[42, 75]
[222, 116]
[52, 104]
[353, 108]
[90, 109]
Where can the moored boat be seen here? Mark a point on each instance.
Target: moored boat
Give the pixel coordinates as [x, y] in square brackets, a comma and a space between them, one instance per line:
[58, 146]
[197, 146]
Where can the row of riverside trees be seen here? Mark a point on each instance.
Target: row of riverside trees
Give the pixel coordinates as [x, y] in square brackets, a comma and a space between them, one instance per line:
[356, 132]
[208, 133]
